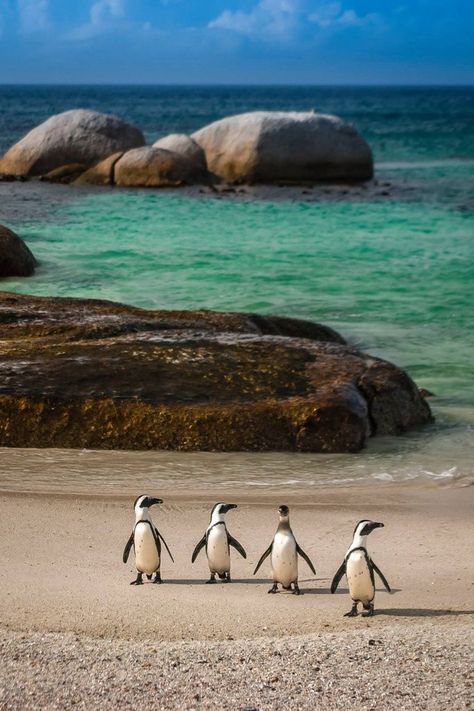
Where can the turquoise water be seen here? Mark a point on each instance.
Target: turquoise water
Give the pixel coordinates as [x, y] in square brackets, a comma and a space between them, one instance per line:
[390, 267]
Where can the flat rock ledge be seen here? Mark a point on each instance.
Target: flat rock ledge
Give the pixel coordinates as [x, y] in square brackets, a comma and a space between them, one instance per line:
[97, 374]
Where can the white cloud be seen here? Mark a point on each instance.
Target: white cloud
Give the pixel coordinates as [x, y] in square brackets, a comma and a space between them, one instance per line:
[103, 15]
[280, 18]
[333, 15]
[270, 17]
[104, 10]
[33, 15]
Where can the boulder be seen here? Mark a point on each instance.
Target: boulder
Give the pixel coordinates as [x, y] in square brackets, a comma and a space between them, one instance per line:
[15, 257]
[185, 146]
[83, 373]
[64, 174]
[155, 168]
[77, 136]
[101, 173]
[291, 147]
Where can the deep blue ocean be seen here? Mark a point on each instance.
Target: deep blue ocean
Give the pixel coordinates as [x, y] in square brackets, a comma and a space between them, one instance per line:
[390, 265]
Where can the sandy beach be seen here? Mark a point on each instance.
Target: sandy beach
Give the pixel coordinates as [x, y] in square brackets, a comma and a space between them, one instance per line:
[72, 625]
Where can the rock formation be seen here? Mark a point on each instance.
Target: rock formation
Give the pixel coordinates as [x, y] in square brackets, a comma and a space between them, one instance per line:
[15, 257]
[185, 146]
[83, 373]
[155, 168]
[294, 147]
[79, 136]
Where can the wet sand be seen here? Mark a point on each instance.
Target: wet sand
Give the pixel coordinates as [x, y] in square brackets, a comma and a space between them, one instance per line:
[64, 588]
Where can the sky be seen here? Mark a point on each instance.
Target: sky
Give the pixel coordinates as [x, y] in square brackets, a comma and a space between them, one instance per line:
[237, 42]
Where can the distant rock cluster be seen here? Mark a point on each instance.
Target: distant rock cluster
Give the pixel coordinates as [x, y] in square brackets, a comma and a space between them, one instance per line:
[88, 147]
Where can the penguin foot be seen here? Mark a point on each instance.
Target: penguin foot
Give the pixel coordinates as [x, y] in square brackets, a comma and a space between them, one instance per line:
[227, 580]
[210, 581]
[157, 580]
[296, 590]
[273, 589]
[368, 612]
[138, 581]
[352, 612]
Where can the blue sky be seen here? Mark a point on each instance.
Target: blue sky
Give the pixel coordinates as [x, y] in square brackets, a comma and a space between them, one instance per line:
[225, 41]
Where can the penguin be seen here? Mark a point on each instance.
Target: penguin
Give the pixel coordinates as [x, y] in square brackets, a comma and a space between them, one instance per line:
[359, 569]
[217, 541]
[284, 551]
[146, 541]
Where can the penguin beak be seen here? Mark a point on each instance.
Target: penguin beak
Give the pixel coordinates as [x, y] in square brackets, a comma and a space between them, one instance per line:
[375, 524]
[228, 507]
[152, 502]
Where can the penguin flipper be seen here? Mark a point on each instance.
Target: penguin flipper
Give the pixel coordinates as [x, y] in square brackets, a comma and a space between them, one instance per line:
[306, 558]
[235, 544]
[200, 545]
[337, 578]
[267, 553]
[381, 576]
[126, 551]
[166, 545]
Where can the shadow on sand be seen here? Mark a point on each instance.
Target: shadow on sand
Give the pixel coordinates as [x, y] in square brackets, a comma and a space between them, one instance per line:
[421, 612]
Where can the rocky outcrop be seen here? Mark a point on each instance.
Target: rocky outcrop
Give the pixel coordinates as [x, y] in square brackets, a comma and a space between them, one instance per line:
[155, 168]
[291, 147]
[81, 373]
[79, 136]
[15, 257]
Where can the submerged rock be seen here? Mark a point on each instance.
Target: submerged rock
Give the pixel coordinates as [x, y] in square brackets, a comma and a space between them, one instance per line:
[15, 257]
[277, 146]
[78, 136]
[83, 373]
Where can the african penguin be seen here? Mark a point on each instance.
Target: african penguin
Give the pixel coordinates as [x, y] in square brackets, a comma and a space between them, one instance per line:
[217, 541]
[359, 569]
[284, 552]
[146, 541]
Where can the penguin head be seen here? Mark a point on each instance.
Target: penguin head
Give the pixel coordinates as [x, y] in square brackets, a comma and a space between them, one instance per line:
[144, 502]
[284, 512]
[364, 527]
[218, 510]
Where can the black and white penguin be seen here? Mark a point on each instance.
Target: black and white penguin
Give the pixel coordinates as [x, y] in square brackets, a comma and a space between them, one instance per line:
[217, 541]
[284, 552]
[146, 541]
[359, 569]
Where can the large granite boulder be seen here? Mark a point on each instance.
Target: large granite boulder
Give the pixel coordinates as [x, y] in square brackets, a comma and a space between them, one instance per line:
[102, 173]
[82, 373]
[185, 146]
[293, 147]
[15, 257]
[79, 136]
[155, 168]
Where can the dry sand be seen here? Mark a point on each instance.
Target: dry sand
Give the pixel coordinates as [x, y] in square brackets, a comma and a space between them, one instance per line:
[76, 634]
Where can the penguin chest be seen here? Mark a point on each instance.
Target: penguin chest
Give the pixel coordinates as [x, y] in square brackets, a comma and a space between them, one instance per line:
[359, 579]
[147, 559]
[284, 559]
[218, 550]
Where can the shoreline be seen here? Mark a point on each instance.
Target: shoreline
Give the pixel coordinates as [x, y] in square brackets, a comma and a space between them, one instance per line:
[66, 574]
[73, 629]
